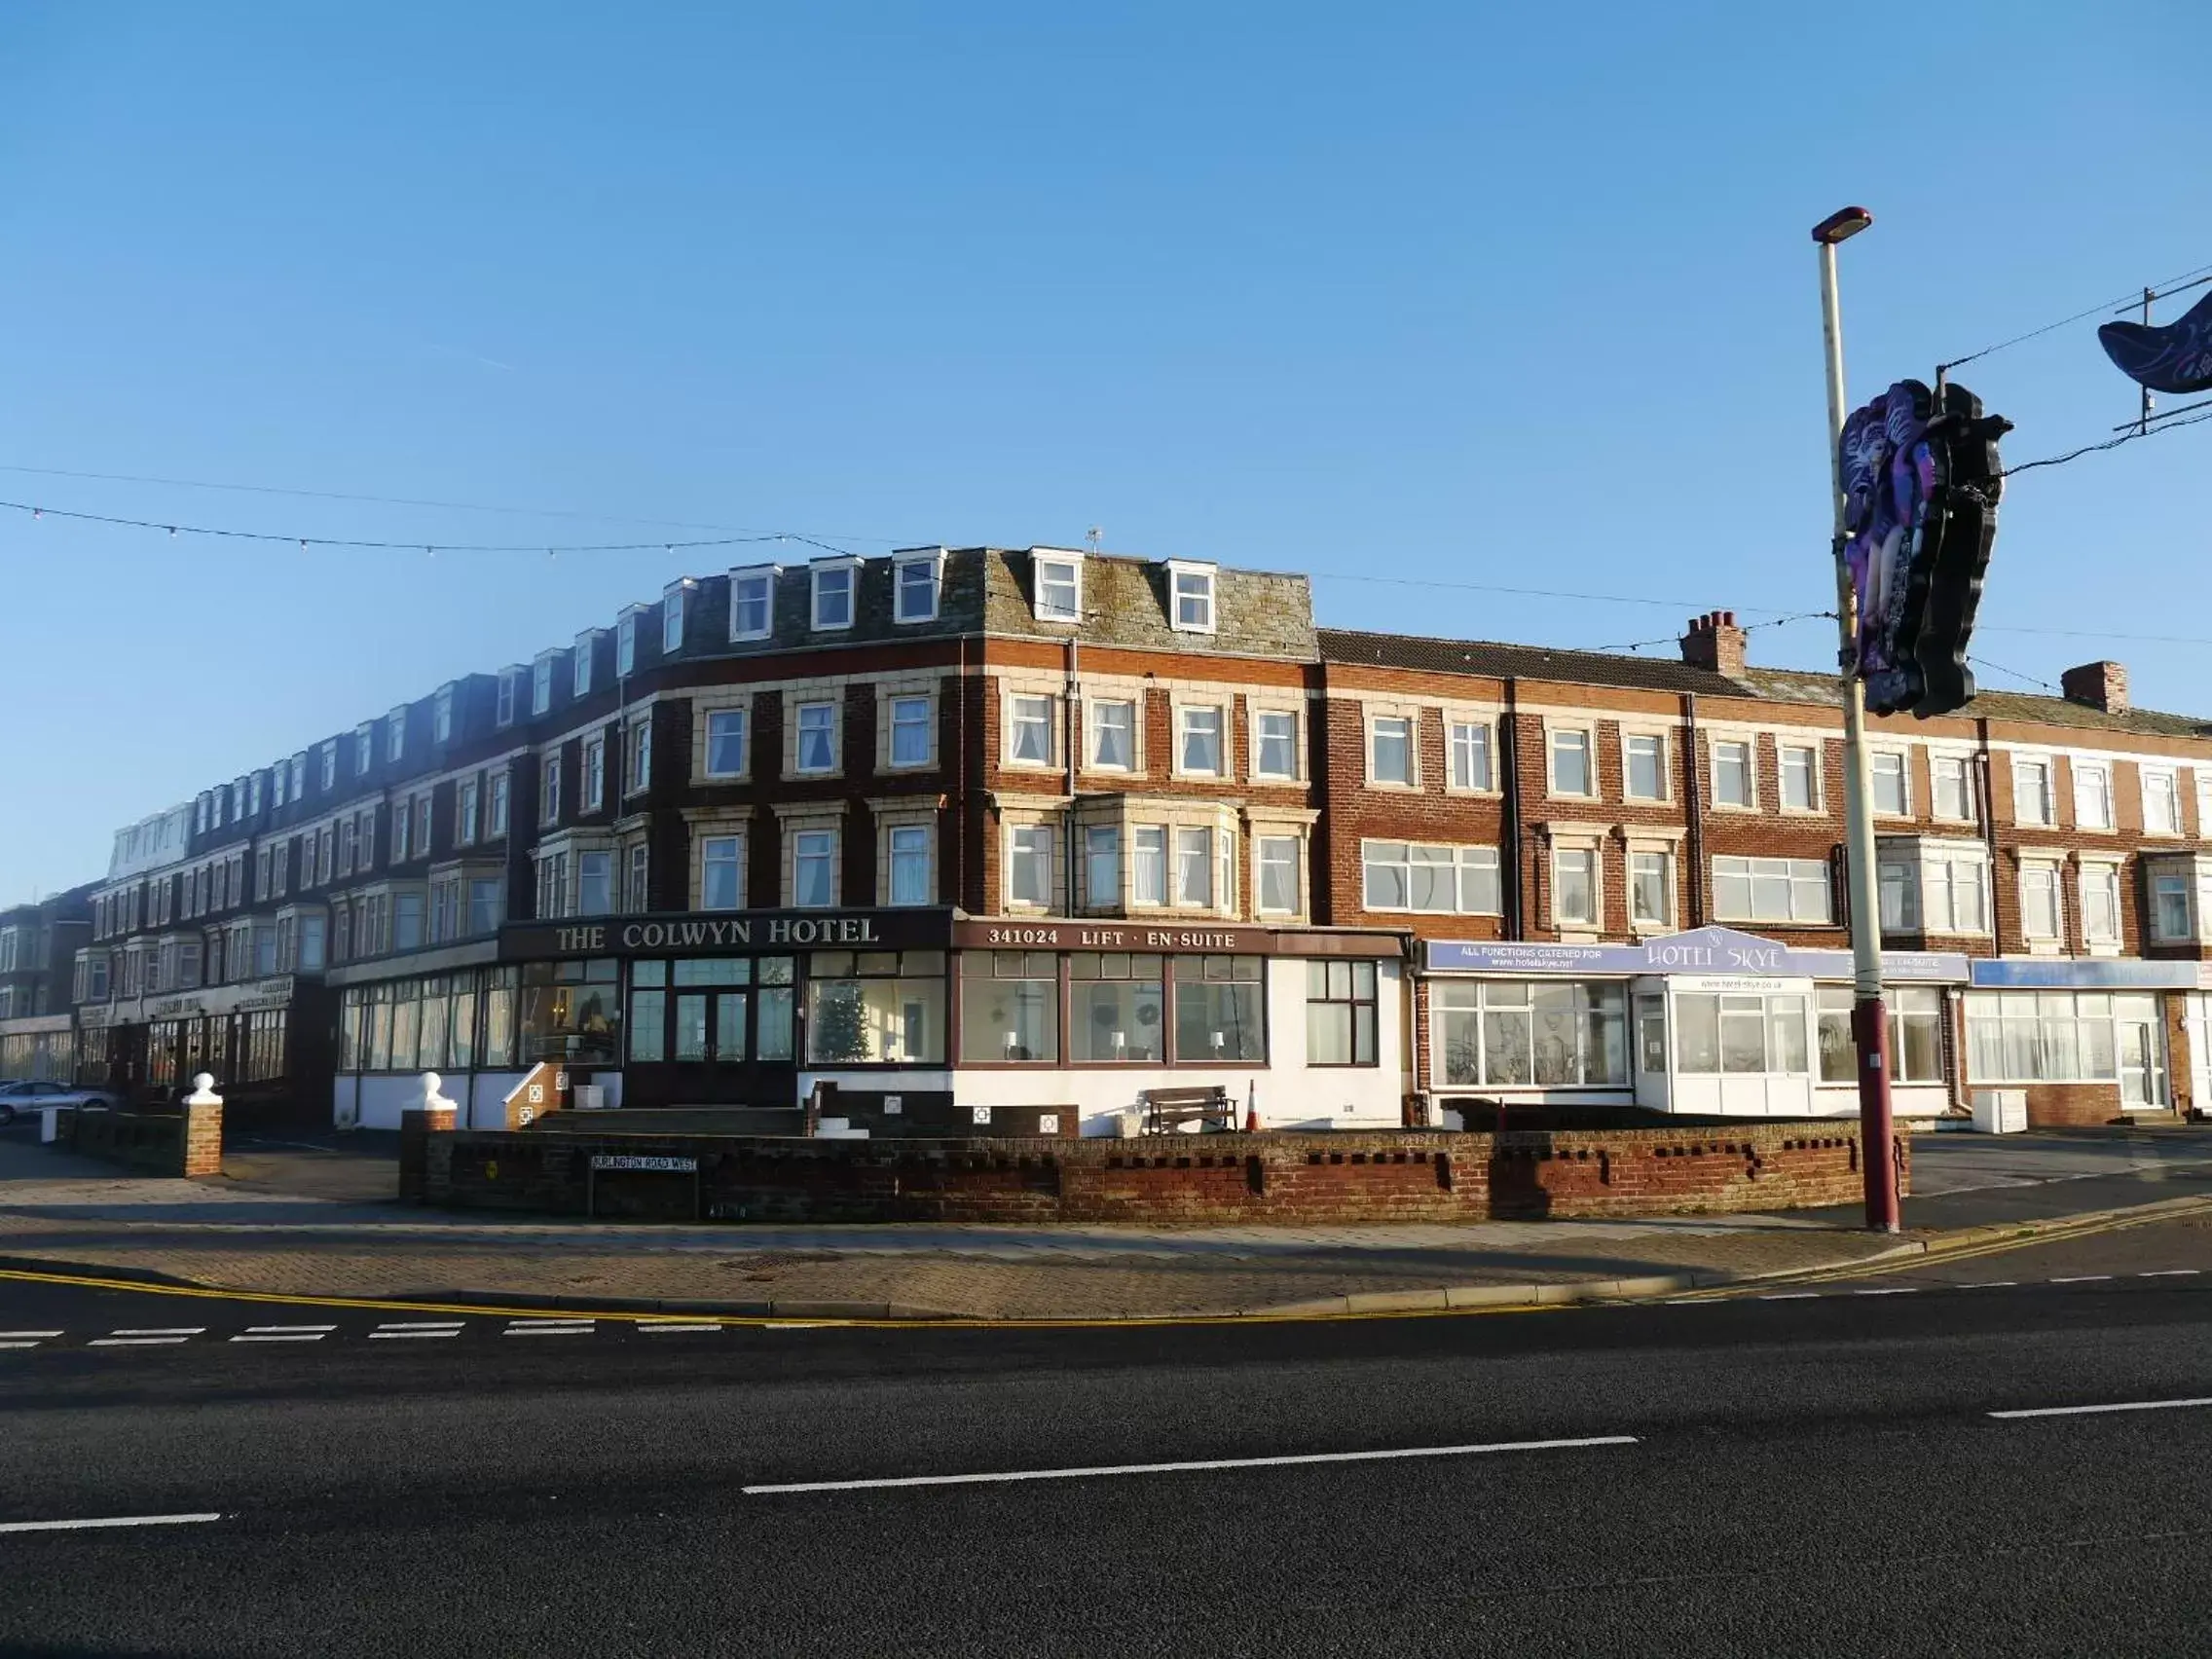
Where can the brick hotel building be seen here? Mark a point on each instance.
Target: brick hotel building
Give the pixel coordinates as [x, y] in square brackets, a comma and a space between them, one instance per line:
[978, 832]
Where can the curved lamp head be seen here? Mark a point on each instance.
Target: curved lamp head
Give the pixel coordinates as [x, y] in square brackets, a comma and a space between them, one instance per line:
[1842, 225]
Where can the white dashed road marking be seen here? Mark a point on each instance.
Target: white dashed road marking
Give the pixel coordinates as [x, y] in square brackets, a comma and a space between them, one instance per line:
[648, 1328]
[1197, 1465]
[2170, 1272]
[416, 1328]
[2084, 1279]
[107, 1520]
[548, 1328]
[136, 1341]
[2094, 1411]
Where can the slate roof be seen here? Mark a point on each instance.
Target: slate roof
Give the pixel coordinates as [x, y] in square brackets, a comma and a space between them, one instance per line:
[1494, 660]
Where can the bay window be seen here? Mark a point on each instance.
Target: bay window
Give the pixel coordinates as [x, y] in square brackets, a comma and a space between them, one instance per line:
[1102, 864]
[1147, 866]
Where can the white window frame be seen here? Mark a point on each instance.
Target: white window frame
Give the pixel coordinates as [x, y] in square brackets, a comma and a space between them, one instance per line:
[1409, 733]
[2104, 876]
[2147, 777]
[894, 703]
[626, 644]
[1663, 921]
[2045, 876]
[441, 715]
[549, 789]
[507, 697]
[1147, 866]
[591, 791]
[708, 858]
[1102, 852]
[903, 844]
[930, 560]
[741, 579]
[1660, 748]
[1815, 803]
[1183, 714]
[638, 754]
[1750, 751]
[1093, 708]
[1261, 715]
[1874, 761]
[744, 720]
[396, 735]
[1026, 844]
[2045, 795]
[1594, 855]
[1554, 730]
[1203, 584]
[805, 842]
[330, 765]
[2083, 771]
[675, 599]
[825, 577]
[1467, 863]
[541, 684]
[1454, 724]
[1799, 874]
[1023, 717]
[1266, 850]
[1939, 763]
[1043, 561]
[801, 733]
[580, 669]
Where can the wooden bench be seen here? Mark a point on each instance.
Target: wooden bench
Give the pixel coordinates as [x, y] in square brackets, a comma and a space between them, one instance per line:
[1168, 1109]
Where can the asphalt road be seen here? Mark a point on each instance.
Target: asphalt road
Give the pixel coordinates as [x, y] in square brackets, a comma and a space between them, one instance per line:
[1815, 1475]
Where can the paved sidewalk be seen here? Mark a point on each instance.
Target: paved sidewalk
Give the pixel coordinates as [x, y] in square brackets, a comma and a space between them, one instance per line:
[301, 1223]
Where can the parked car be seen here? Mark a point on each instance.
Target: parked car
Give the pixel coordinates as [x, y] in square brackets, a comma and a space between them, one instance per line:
[18, 1097]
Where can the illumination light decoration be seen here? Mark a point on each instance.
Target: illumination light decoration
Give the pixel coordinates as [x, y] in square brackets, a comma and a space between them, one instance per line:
[1921, 484]
[2175, 356]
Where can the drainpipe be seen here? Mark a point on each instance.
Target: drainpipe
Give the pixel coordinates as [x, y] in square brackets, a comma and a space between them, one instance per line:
[1067, 742]
[960, 792]
[1693, 802]
[1510, 758]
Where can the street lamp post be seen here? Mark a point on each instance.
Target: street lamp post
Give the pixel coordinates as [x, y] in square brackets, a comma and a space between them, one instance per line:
[1869, 1016]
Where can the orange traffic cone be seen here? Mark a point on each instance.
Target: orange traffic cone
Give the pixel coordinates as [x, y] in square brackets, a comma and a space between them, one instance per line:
[1251, 1111]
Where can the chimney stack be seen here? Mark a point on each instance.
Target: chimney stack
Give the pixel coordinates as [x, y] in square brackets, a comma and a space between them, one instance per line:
[1714, 642]
[2098, 684]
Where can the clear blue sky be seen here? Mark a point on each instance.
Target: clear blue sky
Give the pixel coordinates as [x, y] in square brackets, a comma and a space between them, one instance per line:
[1445, 293]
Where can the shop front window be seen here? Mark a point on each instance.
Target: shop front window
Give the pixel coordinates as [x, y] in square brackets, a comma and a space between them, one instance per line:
[1010, 1006]
[569, 1011]
[2068, 1037]
[876, 1006]
[1219, 1013]
[1118, 1009]
[1740, 1034]
[772, 1026]
[1916, 1035]
[1545, 1034]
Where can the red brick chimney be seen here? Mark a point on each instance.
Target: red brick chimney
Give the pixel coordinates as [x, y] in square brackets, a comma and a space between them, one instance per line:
[1714, 642]
[2099, 685]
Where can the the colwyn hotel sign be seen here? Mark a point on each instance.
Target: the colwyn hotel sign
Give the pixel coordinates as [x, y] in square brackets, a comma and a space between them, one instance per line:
[734, 933]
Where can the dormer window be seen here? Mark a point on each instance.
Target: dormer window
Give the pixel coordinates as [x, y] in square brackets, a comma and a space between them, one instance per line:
[395, 733]
[1190, 589]
[918, 575]
[751, 602]
[626, 644]
[833, 583]
[503, 710]
[541, 684]
[364, 747]
[1059, 585]
[587, 644]
[672, 606]
[330, 765]
[441, 715]
[300, 775]
[279, 776]
[253, 795]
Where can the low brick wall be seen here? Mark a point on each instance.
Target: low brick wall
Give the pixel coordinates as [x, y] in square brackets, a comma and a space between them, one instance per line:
[1194, 1180]
[188, 1141]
